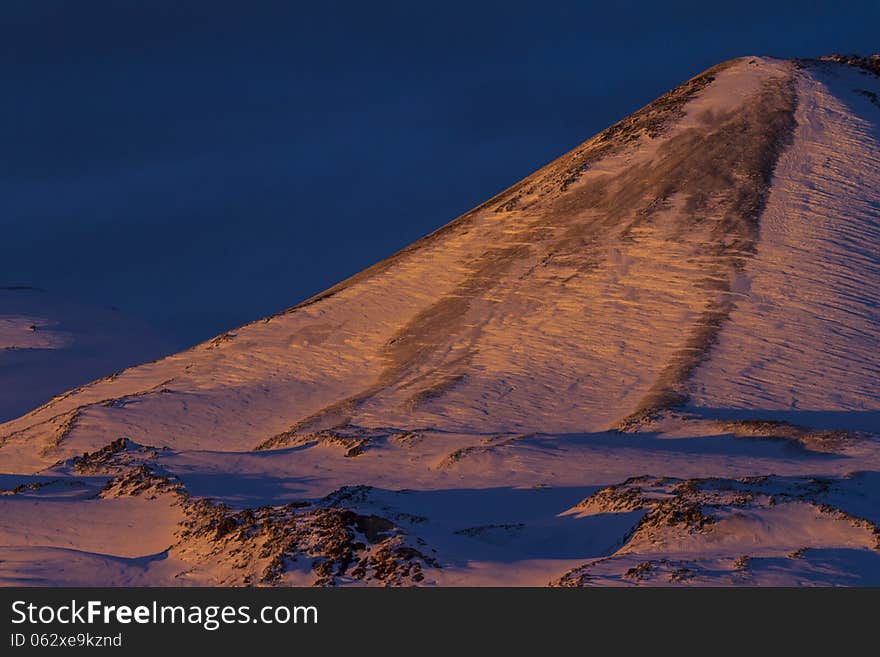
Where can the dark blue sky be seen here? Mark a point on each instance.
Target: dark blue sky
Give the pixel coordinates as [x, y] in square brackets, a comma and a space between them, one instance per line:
[202, 164]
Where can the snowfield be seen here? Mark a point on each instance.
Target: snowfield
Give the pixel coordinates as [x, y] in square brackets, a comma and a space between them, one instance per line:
[804, 338]
[654, 361]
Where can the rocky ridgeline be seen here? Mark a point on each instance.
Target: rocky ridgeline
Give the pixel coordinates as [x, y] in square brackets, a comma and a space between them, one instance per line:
[117, 456]
[141, 480]
[870, 63]
[354, 440]
[673, 509]
[336, 544]
[328, 539]
[650, 121]
[804, 438]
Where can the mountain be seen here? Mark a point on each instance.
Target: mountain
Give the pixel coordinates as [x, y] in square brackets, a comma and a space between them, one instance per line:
[653, 361]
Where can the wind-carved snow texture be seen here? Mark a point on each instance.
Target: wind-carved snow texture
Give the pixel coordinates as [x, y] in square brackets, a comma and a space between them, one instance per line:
[688, 298]
[587, 302]
[804, 334]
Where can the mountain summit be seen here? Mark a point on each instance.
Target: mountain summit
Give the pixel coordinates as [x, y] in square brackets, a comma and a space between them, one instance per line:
[652, 361]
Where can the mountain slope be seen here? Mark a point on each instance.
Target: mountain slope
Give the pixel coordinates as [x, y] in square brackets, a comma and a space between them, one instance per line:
[647, 304]
[609, 264]
[805, 336]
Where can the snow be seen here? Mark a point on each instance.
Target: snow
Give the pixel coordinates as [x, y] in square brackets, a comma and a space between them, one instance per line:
[803, 343]
[474, 385]
[436, 336]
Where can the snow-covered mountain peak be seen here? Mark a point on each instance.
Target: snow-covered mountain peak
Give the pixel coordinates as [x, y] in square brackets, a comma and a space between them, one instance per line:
[689, 298]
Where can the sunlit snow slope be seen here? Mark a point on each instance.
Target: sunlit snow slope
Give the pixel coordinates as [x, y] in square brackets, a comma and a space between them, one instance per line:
[472, 409]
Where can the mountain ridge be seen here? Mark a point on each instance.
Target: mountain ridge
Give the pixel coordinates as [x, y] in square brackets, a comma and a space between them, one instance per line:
[684, 303]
